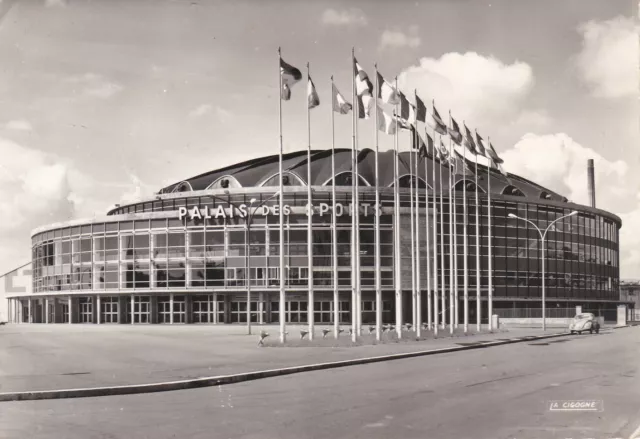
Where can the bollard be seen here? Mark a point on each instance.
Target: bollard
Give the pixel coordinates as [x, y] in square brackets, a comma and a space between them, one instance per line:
[263, 335]
[495, 321]
[303, 334]
[325, 332]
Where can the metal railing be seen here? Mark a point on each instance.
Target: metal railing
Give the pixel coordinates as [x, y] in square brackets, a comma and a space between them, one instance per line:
[533, 313]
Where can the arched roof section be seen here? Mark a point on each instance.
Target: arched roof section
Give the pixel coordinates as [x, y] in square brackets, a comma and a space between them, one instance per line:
[471, 185]
[225, 182]
[288, 179]
[405, 182]
[183, 186]
[512, 190]
[345, 179]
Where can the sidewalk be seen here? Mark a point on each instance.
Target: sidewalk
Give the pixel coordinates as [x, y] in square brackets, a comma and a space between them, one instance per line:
[51, 357]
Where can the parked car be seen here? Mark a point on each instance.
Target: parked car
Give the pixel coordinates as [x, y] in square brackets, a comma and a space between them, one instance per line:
[584, 322]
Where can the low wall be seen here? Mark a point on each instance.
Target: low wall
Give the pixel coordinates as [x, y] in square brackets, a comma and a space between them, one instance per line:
[558, 322]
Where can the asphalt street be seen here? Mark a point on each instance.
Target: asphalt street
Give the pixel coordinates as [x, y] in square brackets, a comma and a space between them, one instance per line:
[494, 393]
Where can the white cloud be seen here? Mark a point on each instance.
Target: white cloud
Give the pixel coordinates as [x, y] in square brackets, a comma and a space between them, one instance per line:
[19, 125]
[136, 191]
[481, 89]
[532, 120]
[559, 163]
[398, 39]
[34, 188]
[54, 3]
[344, 17]
[222, 114]
[608, 62]
[96, 85]
[201, 110]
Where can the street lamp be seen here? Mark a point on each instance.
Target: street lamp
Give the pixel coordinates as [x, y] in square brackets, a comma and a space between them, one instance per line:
[248, 221]
[542, 237]
[247, 229]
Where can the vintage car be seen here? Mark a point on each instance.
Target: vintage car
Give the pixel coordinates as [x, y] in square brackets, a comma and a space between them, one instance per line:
[584, 322]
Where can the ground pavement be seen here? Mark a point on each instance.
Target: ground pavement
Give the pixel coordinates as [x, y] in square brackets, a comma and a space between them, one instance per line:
[51, 357]
[500, 392]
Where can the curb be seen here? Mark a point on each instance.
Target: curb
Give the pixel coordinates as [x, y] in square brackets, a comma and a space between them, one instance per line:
[248, 376]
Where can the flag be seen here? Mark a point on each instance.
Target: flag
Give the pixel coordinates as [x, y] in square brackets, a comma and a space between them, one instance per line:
[386, 92]
[436, 122]
[312, 96]
[365, 106]
[421, 110]
[454, 132]
[461, 166]
[290, 75]
[468, 141]
[481, 149]
[444, 153]
[431, 149]
[340, 104]
[407, 110]
[386, 123]
[494, 155]
[418, 143]
[363, 84]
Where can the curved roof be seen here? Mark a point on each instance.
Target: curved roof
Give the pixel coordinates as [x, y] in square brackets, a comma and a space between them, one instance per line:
[256, 172]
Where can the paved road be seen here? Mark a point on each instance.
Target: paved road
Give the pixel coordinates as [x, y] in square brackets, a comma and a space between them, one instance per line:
[495, 393]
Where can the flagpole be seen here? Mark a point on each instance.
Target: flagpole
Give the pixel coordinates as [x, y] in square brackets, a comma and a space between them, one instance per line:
[282, 303]
[396, 199]
[451, 231]
[356, 212]
[377, 221]
[310, 306]
[490, 262]
[426, 231]
[411, 222]
[443, 296]
[464, 238]
[334, 234]
[435, 249]
[418, 325]
[455, 243]
[478, 303]
[353, 197]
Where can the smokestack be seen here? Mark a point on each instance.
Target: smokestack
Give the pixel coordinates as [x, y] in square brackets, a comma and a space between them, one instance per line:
[591, 183]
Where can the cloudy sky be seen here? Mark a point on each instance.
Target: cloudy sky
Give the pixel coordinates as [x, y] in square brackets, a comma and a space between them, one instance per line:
[103, 102]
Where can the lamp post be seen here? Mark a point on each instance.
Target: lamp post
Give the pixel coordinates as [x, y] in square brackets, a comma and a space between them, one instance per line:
[543, 235]
[247, 231]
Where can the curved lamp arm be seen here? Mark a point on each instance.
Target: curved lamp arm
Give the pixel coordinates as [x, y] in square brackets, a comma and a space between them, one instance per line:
[511, 215]
[575, 212]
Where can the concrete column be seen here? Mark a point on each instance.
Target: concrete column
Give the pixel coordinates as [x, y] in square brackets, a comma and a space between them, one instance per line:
[122, 309]
[154, 317]
[227, 308]
[261, 308]
[94, 311]
[98, 310]
[133, 302]
[46, 310]
[171, 308]
[30, 310]
[578, 309]
[71, 313]
[268, 308]
[213, 307]
[188, 305]
[622, 315]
